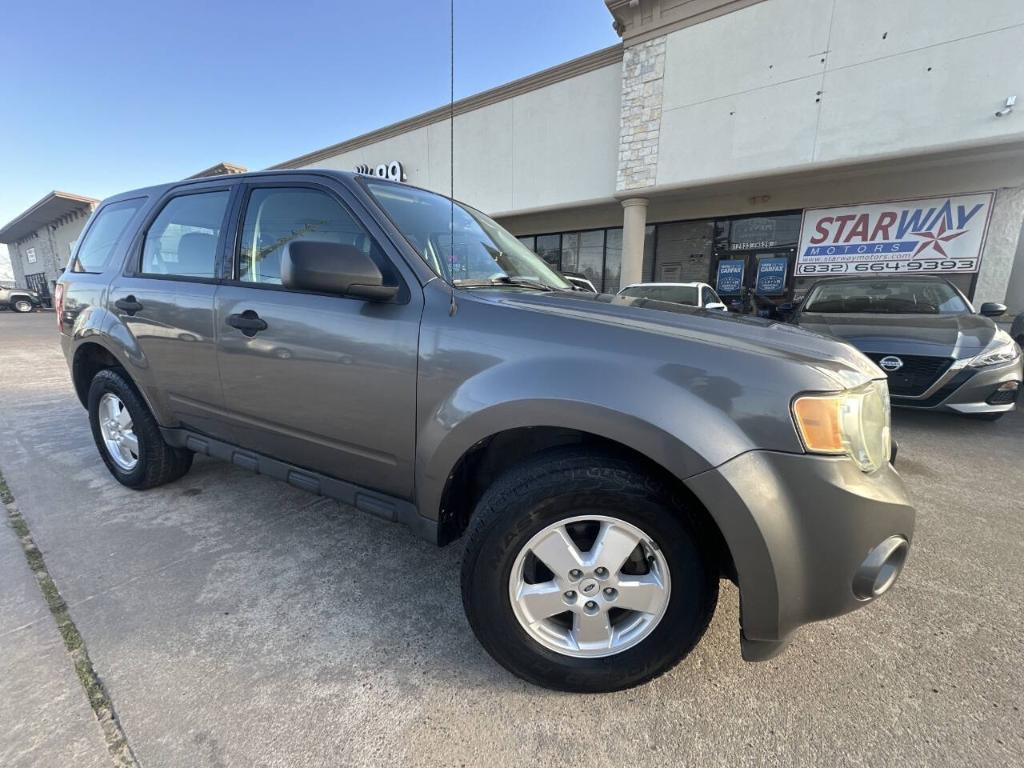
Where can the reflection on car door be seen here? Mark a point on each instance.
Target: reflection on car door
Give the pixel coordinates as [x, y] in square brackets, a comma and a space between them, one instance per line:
[165, 302]
[330, 383]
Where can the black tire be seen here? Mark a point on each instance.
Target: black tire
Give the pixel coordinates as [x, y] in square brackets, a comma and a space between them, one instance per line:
[22, 306]
[563, 483]
[158, 462]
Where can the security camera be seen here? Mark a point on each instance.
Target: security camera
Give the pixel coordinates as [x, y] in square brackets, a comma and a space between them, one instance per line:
[1011, 101]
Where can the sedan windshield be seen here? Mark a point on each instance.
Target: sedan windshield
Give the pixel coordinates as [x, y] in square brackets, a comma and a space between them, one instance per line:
[481, 253]
[886, 297]
[677, 294]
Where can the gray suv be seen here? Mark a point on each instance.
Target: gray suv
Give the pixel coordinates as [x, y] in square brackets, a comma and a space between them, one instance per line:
[605, 464]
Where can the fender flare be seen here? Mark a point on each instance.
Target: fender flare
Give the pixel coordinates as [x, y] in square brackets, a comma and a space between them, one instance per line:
[93, 331]
[435, 466]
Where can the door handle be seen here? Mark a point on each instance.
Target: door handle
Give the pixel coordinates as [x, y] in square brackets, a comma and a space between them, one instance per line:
[248, 323]
[129, 305]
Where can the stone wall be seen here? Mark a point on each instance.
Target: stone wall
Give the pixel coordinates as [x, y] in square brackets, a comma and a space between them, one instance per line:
[643, 76]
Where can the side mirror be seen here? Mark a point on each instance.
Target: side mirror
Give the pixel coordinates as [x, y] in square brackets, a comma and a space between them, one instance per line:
[993, 309]
[716, 305]
[308, 265]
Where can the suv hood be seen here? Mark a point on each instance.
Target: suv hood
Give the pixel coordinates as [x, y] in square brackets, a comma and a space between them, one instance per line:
[957, 336]
[753, 335]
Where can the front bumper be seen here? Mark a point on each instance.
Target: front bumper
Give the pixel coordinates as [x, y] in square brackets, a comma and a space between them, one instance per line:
[968, 390]
[802, 531]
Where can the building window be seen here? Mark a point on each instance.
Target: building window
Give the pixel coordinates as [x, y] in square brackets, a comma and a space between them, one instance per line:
[594, 253]
[683, 251]
[549, 248]
[590, 262]
[570, 252]
[612, 260]
[757, 233]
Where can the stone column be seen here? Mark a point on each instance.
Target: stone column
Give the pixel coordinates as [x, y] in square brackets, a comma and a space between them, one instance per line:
[997, 260]
[634, 222]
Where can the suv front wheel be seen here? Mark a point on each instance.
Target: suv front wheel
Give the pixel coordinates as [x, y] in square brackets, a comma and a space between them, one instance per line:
[583, 573]
[128, 437]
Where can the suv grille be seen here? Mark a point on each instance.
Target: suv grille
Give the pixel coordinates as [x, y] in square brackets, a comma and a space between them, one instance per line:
[917, 374]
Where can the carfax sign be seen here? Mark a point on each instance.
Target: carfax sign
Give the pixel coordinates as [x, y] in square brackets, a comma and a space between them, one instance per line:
[730, 275]
[941, 234]
[771, 276]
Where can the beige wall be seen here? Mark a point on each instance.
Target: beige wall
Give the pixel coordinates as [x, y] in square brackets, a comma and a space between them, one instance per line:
[790, 83]
[554, 146]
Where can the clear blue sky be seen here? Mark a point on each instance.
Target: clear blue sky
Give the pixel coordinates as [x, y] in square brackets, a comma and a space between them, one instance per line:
[106, 96]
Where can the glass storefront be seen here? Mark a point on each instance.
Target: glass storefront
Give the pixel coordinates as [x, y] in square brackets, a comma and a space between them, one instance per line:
[748, 259]
[593, 253]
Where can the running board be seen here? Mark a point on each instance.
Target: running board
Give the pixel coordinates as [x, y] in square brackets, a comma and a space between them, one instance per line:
[378, 504]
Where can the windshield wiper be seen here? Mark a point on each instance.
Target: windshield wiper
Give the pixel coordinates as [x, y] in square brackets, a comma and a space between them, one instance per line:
[518, 282]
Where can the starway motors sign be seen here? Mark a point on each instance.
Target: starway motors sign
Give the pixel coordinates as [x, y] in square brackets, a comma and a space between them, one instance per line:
[941, 234]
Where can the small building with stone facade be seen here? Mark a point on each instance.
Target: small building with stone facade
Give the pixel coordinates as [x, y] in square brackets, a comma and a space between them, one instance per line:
[41, 239]
[742, 141]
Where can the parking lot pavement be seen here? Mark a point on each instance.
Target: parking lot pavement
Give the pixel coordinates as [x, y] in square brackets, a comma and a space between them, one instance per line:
[238, 621]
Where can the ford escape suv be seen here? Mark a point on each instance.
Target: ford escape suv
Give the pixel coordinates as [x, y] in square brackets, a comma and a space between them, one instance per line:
[605, 464]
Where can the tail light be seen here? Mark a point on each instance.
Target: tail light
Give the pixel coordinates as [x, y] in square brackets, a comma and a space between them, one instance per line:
[58, 305]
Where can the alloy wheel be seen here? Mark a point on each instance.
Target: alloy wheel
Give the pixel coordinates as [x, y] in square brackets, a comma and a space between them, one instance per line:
[589, 586]
[118, 432]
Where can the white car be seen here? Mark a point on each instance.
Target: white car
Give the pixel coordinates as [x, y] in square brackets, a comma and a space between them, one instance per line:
[580, 281]
[692, 294]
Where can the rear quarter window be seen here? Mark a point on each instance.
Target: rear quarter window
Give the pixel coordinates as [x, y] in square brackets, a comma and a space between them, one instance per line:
[97, 247]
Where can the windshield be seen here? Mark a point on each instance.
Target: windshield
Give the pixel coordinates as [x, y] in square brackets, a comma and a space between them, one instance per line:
[887, 297]
[483, 251]
[678, 294]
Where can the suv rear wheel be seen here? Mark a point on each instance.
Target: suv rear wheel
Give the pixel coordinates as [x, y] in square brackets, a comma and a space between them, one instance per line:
[128, 437]
[582, 573]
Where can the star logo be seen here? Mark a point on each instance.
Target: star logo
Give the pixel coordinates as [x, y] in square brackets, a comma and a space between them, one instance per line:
[935, 239]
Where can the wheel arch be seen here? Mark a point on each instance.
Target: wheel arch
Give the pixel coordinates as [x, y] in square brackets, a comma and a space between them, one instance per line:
[91, 356]
[488, 458]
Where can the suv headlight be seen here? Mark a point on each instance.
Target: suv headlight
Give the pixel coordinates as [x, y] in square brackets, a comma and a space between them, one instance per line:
[854, 422]
[1002, 349]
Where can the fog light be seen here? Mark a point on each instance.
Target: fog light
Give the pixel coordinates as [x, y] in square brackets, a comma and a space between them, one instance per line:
[1005, 394]
[880, 568]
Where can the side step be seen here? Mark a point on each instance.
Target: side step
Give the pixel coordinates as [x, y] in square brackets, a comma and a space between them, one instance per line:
[378, 504]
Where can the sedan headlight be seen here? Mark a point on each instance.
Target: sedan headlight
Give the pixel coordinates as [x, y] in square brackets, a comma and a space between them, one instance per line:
[854, 422]
[1002, 349]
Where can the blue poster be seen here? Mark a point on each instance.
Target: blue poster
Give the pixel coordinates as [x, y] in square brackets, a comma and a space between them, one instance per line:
[771, 276]
[730, 275]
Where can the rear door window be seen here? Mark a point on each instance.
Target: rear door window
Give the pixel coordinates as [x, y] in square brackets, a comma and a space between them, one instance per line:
[97, 247]
[182, 240]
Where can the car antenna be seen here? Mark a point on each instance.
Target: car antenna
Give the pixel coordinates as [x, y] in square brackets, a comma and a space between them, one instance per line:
[452, 308]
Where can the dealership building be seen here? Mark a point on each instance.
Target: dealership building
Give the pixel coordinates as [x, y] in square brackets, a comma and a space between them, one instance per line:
[752, 144]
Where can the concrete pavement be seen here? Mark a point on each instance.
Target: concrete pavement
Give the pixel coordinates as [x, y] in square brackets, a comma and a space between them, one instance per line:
[235, 620]
[46, 717]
